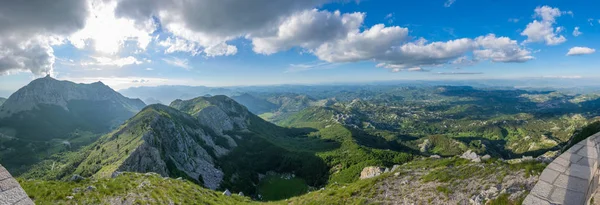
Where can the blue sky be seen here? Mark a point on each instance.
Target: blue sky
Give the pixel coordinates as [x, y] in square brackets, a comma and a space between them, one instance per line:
[143, 43]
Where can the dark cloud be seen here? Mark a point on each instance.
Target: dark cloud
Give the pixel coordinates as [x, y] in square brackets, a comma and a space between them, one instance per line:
[29, 28]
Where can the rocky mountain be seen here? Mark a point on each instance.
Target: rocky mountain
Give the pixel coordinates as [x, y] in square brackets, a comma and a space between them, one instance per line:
[213, 141]
[48, 108]
[2, 100]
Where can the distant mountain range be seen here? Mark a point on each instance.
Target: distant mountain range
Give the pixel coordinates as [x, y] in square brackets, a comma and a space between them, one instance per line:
[2, 100]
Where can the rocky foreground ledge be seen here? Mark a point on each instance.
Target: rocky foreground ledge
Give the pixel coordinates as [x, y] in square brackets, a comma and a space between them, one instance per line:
[10, 190]
[572, 178]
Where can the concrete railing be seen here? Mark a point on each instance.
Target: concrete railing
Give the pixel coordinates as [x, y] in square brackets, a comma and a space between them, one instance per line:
[572, 178]
[11, 192]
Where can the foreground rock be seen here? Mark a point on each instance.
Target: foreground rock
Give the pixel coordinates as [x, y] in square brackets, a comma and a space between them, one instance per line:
[370, 172]
[470, 155]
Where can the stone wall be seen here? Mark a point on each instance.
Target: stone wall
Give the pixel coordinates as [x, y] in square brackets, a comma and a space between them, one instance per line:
[10, 190]
[572, 178]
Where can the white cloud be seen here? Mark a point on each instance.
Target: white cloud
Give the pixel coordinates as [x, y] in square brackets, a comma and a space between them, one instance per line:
[576, 31]
[543, 30]
[500, 49]
[107, 33]
[29, 29]
[580, 51]
[107, 61]
[182, 63]
[180, 45]
[514, 20]
[117, 82]
[308, 29]
[365, 45]
[563, 76]
[221, 49]
[449, 3]
[210, 23]
[310, 66]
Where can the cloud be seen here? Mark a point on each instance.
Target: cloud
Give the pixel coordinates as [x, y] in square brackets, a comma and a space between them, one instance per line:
[544, 30]
[308, 29]
[140, 81]
[514, 20]
[178, 62]
[575, 51]
[563, 76]
[359, 46]
[29, 32]
[500, 49]
[149, 69]
[337, 38]
[180, 45]
[310, 66]
[449, 3]
[459, 73]
[107, 61]
[576, 31]
[220, 49]
[107, 33]
[210, 23]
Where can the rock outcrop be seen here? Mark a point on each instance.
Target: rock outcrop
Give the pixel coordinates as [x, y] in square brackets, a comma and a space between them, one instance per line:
[370, 172]
[470, 155]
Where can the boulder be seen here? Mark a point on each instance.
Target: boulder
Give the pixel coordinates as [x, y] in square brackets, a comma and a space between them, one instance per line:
[395, 167]
[91, 188]
[470, 155]
[486, 157]
[76, 178]
[227, 192]
[241, 193]
[435, 156]
[372, 171]
[115, 174]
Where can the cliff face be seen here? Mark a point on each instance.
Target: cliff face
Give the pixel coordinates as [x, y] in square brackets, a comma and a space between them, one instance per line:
[171, 142]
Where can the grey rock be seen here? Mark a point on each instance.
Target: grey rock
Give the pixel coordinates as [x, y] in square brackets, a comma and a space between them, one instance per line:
[241, 193]
[115, 174]
[435, 156]
[370, 172]
[486, 157]
[76, 178]
[227, 192]
[91, 188]
[470, 155]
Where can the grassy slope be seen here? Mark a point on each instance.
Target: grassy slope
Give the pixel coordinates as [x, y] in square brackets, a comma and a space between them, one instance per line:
[137, 188]
[347, 161]
[134, 188]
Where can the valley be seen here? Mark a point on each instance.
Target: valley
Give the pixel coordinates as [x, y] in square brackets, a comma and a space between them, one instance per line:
[300, 148]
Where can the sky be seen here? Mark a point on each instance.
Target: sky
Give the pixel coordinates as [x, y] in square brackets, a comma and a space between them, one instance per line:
[126, 43]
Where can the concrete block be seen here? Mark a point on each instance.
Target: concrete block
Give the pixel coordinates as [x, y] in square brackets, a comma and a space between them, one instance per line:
[533, 200]
[571, 183]
[567, 197]
[548, 175]
[8, 183]
[542, 189]
[12, 196]
[557, 167]
[581, 171]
